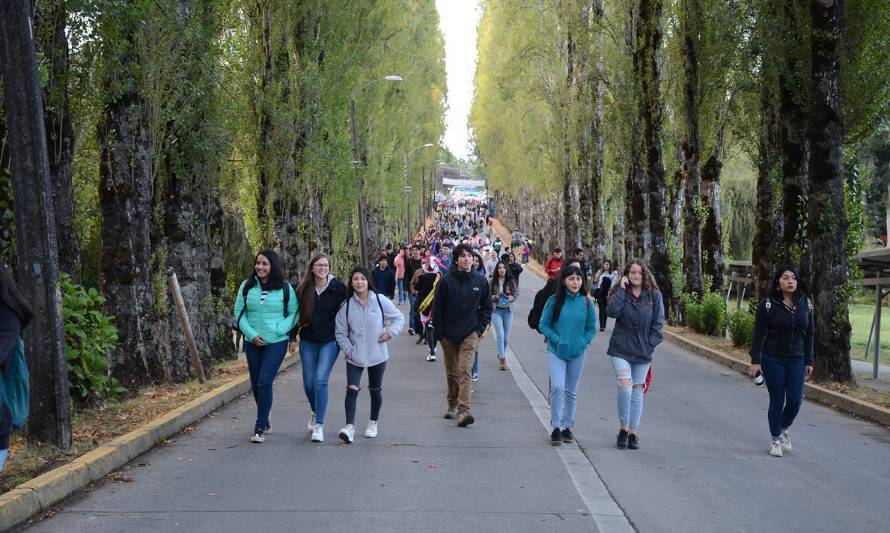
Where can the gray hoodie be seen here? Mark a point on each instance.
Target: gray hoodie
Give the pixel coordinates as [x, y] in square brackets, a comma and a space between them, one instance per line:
[638, 325]
[358, 339]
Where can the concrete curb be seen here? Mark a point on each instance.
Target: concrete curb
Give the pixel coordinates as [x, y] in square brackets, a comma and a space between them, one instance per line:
[44, 491]
[837, 400]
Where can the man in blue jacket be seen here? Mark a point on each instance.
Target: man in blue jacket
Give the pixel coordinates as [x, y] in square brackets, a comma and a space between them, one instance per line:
[384, 278]
[461, 313]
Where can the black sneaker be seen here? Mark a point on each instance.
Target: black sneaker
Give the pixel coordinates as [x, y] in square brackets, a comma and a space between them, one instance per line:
[411, 331]
[622, 439]
[567, 435]
[556, 437]
[633, 442]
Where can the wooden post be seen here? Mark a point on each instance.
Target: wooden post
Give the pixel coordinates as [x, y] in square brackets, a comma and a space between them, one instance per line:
[186, 325]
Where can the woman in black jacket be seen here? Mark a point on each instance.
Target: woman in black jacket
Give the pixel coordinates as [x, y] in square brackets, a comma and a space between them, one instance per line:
[15, 315]
[320, 295]
[782, 349]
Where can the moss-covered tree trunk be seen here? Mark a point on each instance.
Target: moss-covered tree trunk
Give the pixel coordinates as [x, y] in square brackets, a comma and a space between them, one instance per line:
[713, 263]
[827, 211]
[691, 151]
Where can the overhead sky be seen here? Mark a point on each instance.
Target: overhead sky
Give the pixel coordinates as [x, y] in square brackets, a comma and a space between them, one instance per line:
[458, 20]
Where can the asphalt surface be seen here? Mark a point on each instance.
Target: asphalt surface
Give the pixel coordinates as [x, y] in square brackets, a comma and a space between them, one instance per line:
[703, 463]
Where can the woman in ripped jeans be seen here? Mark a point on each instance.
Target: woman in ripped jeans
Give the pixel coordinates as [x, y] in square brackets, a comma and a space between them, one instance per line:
[636, 305]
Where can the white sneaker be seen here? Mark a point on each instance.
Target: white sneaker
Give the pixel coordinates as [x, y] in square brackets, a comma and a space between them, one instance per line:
[347, 433]
[311, 425]
[258, 438]
[785, 441]
[371, 431]
[775, 448]
[431, 357]
[318, 433]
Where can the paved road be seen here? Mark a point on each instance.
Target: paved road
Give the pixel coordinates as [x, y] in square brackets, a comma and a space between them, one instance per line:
[702, 466]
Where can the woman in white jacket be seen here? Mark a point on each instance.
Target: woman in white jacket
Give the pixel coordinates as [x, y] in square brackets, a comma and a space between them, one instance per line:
[366, 321]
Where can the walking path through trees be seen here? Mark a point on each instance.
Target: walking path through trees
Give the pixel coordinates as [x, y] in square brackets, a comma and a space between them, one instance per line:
[702, 465]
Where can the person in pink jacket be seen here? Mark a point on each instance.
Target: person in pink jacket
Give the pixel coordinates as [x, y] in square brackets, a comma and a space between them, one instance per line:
[400, 275]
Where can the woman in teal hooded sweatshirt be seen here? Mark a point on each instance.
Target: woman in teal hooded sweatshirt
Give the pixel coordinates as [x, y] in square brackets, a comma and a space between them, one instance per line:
[265, 314]
[568, 322]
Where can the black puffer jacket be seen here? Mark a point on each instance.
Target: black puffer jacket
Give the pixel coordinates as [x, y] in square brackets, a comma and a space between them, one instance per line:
[323, 321]
[778, 331]
[461, 305]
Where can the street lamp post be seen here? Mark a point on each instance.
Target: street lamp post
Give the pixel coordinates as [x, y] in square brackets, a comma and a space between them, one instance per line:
[357, 164]
[408, 189]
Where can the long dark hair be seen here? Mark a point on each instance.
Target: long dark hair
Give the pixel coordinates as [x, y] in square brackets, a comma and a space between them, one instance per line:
[13, 297]
[364, 272]
[509, 281]
[306, 288]
[566, 271]
[776, 292]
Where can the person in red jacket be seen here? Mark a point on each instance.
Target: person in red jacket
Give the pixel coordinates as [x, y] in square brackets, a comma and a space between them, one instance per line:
[554, 263]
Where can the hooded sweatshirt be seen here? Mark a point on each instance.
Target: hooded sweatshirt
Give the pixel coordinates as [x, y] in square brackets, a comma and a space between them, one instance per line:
[639, 325]
[358, 337]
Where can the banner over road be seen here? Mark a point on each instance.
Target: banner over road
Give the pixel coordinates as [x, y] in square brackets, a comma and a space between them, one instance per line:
[463, 182]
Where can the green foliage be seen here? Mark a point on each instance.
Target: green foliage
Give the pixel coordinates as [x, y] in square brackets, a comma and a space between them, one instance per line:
[706, 315]
[741, 326]
[90, 337]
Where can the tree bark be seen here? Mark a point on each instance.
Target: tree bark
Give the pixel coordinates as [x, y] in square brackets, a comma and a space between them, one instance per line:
[50, 415]
[597, 206]
[691, 149]
[125, 201]
[713, 263]
[649, 71]
[827, 210]
[571, 223]
[50, 23]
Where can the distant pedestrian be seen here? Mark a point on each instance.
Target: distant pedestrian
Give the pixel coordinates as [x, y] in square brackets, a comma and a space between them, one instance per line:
[461, 313]
[782, 349]
[478, 266]
[569, 324]
[320, 296]
[554, 263]
[400, 263]
[426, 284]
[266, 310]
[603, 280]
[636, 305]
[515, 268]
[15, 315]
[503, 293]
[384, 278]
[366, 322]
[414, 264]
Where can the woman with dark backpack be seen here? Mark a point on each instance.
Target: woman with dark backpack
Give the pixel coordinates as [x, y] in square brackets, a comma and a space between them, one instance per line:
[782, 349]
[602, 284]
[15, 315]
[320, 297]
[569, 324]
[265, 311]
[366, 322]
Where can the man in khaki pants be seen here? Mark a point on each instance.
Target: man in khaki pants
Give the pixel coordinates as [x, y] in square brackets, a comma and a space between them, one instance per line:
[461, 312]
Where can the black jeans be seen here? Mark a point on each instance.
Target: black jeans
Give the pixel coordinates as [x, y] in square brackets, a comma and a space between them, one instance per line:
[375, 389]
[601, 303]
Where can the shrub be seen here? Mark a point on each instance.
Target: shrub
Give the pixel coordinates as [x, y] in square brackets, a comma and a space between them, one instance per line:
[90, 336]
[741, 327]
[713, 313]
[692, 311]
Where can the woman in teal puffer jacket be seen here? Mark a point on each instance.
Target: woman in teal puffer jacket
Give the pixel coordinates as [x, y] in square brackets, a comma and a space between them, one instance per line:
[265, 315]
[568, 322]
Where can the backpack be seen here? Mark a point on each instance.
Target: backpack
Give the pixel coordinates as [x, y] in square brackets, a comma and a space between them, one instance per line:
[15, 386]
[382, 318]
[290, 334]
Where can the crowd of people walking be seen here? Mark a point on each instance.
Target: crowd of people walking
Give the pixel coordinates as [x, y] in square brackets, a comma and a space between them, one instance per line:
[454, 283]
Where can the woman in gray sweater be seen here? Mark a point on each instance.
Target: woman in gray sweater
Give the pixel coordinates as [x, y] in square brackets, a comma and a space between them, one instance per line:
[635, 304]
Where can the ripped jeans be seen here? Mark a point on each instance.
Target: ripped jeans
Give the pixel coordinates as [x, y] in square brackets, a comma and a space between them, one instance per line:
[631, 379]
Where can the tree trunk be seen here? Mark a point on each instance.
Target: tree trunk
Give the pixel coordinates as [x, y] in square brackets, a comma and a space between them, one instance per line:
[691, 149]
[50, 24]
[7, 211]
[767, 222]
[618, 233]
[38, 270]
[125, 201]
[649, 72]
[571, 223]
[713, 263]
[827, 210]
[597, 207]
[636, 235]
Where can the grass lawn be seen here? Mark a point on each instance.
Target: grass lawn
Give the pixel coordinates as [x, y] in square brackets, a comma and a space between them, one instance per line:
[860, 319]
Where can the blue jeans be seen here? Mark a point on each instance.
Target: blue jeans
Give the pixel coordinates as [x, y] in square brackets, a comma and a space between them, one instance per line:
[502, 319]
[630, 392]
[3, 454]
[475, 369]
[784, 381]
[412, 316]
[263, 363]
[401, 283]
[317, 360]
[564, 379]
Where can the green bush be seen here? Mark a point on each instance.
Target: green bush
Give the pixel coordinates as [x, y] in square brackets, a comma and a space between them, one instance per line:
[706, 315]
[741, 327]
[90, 336]
[692, 311]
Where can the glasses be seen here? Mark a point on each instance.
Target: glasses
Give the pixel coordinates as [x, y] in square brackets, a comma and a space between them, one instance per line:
[321, 265]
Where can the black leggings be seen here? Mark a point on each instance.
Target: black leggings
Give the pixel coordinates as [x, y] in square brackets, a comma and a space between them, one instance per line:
[375, 389]
[430, 335]
[602, 305]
